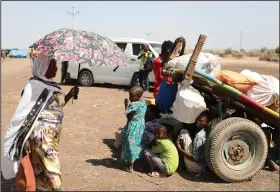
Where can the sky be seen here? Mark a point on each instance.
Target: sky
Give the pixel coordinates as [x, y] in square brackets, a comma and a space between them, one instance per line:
[23, 23]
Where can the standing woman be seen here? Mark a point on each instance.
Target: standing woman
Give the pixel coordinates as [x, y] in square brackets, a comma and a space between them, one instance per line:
[36, 125]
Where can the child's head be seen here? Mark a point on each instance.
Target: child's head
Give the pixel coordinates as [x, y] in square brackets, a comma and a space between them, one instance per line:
[164, 131]
[135, 93]
[161, 132]
[202, 120]
[152, 113]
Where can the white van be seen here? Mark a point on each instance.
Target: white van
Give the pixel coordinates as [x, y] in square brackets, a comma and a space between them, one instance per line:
[122, 75]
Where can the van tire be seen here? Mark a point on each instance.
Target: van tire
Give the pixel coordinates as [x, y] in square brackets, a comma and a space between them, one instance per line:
[86, 79]
[135, 80]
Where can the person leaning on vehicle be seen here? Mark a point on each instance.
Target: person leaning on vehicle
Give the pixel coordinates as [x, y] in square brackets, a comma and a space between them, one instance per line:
[144, 56]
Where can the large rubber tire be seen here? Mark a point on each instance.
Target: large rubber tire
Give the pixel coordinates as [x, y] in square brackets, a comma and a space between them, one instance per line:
[135, 80]
[86, 79]
[209, 142]
[221, 134]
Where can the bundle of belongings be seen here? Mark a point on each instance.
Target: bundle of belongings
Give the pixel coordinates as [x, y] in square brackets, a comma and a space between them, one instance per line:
[264, 89]
[206, 63]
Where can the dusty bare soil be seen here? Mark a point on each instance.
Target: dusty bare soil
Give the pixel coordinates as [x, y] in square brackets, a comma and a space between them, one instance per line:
[88, 134]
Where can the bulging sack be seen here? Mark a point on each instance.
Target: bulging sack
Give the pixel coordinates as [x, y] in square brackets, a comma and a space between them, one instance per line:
[189, 104]
[206, 63]
[267, 92]
[236, 80]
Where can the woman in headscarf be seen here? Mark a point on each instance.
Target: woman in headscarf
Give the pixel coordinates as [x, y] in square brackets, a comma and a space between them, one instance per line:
[36, 125]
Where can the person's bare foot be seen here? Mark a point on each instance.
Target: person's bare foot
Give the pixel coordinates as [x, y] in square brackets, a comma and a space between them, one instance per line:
[154, 174]
[128, 169]
[273, 166]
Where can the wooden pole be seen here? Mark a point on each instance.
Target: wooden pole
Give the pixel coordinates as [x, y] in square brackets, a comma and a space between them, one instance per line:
[191, 65]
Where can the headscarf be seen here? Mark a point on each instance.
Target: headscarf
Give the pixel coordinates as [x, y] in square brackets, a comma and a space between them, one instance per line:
[40, 67]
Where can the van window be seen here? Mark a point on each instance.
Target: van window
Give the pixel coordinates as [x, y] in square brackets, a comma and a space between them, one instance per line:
[136, 48]
[122, 46]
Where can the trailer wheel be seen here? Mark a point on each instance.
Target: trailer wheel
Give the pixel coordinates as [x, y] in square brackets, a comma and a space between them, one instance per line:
[238, 149]
[210, 139]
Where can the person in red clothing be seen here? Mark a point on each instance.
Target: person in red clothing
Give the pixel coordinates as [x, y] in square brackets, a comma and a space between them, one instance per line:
[158, 66]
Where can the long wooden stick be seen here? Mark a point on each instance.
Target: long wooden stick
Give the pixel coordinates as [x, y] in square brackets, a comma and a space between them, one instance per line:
[191, 65]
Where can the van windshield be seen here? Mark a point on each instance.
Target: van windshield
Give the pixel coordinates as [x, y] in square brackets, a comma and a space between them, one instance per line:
[156, 46]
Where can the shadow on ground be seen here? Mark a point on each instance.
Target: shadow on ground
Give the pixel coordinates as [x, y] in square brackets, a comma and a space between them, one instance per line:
[114, 162]
[205, 178]
[142, 166]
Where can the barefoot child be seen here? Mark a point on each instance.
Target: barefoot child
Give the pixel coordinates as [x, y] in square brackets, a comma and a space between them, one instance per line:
[135, 112]
[163, 158]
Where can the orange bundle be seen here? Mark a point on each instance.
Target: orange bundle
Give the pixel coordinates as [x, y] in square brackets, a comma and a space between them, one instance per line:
[25, 178]
[236, 80]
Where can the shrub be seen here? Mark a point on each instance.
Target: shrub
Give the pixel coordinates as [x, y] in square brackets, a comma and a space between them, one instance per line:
[263, 49]
[228, 51]
[277, 50]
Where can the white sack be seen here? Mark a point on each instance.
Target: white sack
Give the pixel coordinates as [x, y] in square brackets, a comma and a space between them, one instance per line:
[267, 93]
[189, 104]
[206, 62]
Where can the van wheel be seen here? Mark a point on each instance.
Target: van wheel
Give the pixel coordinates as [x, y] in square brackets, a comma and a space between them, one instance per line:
[85, 79]
[135, 80]
[238, 149]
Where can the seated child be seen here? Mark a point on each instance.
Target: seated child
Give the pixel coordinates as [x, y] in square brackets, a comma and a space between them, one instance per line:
[151, 118]
[163, 156]
[135, 112]
[193, 149]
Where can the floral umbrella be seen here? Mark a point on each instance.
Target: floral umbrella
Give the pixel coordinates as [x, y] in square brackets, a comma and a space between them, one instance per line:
[81, 47]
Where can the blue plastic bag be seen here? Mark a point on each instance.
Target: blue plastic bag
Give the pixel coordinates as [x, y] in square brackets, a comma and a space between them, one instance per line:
[166, 95]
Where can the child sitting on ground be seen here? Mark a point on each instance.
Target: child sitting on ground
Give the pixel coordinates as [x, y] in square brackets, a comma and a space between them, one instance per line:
[151, 118]
[163, 156]
[135, 112]
[193, 149]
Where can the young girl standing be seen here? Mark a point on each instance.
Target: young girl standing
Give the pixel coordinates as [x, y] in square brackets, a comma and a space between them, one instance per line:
[135, 110]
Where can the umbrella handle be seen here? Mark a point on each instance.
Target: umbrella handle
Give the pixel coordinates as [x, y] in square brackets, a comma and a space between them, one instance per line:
[76, 96]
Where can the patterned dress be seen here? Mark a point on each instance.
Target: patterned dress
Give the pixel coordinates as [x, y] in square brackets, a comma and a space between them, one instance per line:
[133, 133]
[44, 145]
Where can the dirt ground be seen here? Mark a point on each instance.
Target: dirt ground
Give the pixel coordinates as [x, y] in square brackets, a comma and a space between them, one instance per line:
[88, 134]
